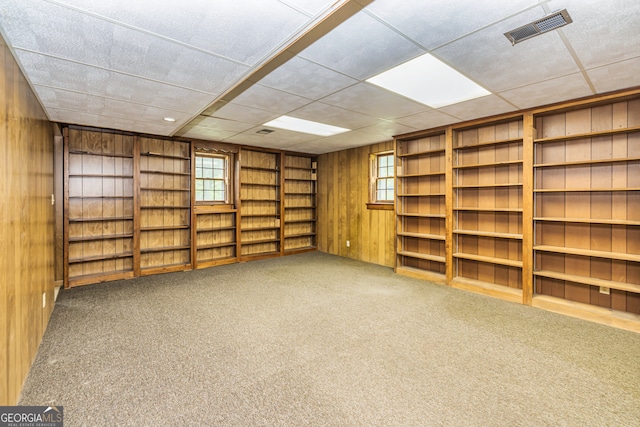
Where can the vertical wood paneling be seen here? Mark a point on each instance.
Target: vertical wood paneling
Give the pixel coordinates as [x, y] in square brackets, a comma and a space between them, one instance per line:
[343, 182]
[27, 231]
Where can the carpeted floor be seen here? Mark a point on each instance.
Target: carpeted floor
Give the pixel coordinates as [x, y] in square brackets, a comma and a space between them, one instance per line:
[318, 340]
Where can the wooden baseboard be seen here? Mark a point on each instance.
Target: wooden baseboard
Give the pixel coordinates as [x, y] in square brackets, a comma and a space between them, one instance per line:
[490, 289]
[605, 316]
[416, 273]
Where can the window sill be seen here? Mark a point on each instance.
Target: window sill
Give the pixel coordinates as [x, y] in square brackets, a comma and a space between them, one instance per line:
[380, 206]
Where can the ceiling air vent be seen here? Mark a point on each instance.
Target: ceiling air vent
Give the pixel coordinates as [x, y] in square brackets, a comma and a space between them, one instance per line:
[542, 25]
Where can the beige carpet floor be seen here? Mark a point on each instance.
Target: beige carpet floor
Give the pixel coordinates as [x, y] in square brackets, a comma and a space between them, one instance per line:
[318, 340]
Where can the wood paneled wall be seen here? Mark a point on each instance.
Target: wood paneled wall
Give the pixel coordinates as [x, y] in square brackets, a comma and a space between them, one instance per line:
[26, 226]
[343, 193]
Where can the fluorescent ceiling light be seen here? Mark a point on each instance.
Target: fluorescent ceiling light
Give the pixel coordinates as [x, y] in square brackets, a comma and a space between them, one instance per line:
[305, 126]
[429, 81]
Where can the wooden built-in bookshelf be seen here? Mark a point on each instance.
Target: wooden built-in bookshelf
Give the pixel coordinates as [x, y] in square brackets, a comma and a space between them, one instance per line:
[300, 186]
[165, 205]
[587, 206]
[487, 206]
[99, 206]
[420, 206]
[260, 203]
[540, 207]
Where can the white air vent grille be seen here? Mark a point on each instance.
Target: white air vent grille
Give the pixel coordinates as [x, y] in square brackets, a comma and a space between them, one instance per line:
[542, 25]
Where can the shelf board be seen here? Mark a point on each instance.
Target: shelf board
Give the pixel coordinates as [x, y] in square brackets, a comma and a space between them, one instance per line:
[422, 215]
[100, 237]
[298, 194]
[258, 242]
[588, 220]
[98, 175]
[586, 162]
[259, 200]
[587, 135]
[260, 168]
[267, 228]
[166, 268]
[165, 189]
[122, 156]
[515, 184]
[104, 257]
[422, 235]
[517, 210]
[260, 215]
[115, 218]
[260, 184]
[592, 281]
[488, 259]
[588, 253]
[204, 230]
[165, 227]
[301, 179]
[298, 168]
[164, 156]
[488, 143]
[165, 173]
[584, 190]
[216, 245]
[418, 175]
[299, 207]
[422, 153]
[422, 195]
[166, 207]
[489, 234]
[293, 236]
[299, 221]
[165, 249]
[428, 257]
[101, 197]
[483, 165]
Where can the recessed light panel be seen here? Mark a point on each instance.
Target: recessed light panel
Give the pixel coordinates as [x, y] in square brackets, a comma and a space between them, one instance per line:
[305, 126]
[429, 81]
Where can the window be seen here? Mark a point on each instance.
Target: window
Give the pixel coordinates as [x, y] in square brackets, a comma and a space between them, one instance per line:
[382, 181]
[212, 178]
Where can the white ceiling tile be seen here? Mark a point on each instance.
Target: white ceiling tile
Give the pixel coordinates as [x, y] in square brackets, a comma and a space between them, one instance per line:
[207, 25]
[224, 124]
[549, 91]
[89, 40]
[489, 58]
[280, 138]
[616, 76]
[437, 22]
[427, 119]
[305, 78]
[243, 113]
[48, 71]
[387, 129]
[374, 101]
[361, 47]
[602, 31]
[202, 132]
[489, 105]
[339, 142]
[110, 108]
[268, 99]
[332, 115]
[310, 7]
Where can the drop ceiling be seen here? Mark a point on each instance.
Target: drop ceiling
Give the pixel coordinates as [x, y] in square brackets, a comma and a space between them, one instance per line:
[224, 68]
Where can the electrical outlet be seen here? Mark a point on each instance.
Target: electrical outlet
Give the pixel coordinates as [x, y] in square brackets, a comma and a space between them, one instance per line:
[348, 243]
[604, 290]
[44, 300]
